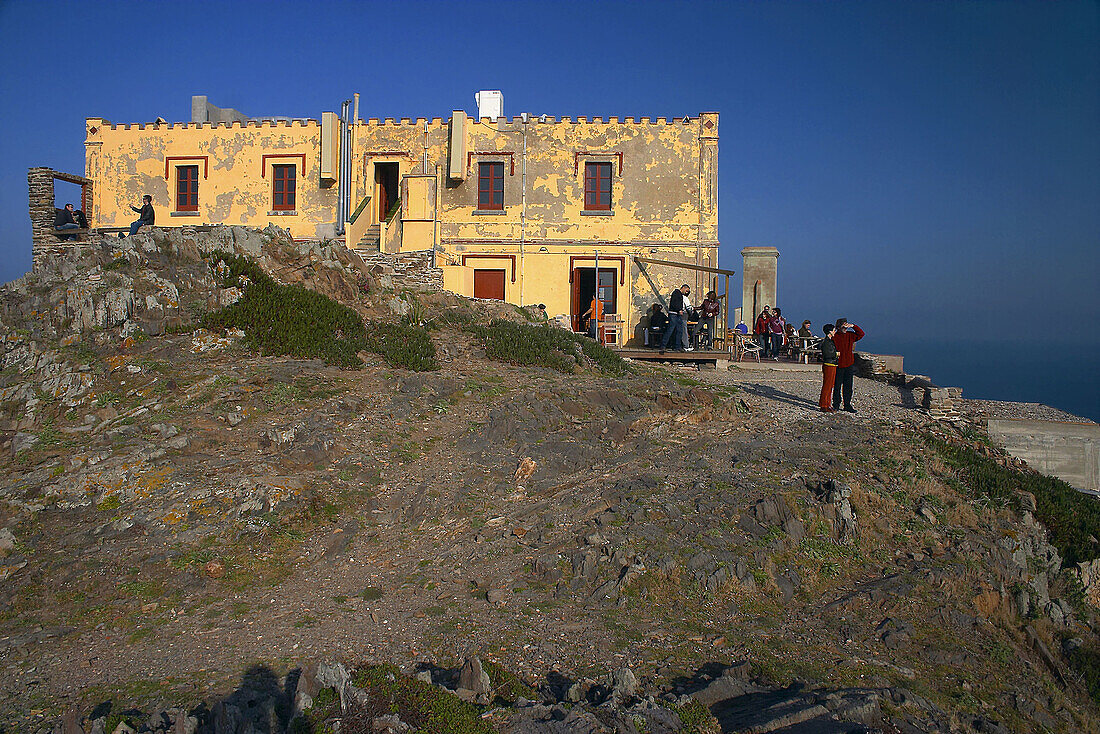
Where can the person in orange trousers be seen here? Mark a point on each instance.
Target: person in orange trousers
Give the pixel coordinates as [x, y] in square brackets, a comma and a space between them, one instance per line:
[828, 370]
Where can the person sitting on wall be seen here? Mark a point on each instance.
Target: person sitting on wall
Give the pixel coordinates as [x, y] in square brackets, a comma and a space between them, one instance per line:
[146, 215]
[658, 322]
[65, 219]
[596, 311]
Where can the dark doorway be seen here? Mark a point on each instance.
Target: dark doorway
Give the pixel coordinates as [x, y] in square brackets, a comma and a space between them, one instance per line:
[489, 284]
[385, 186]
[584, 285]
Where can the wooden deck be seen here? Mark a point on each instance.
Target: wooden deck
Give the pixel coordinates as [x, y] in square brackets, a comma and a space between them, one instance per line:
[655, 355]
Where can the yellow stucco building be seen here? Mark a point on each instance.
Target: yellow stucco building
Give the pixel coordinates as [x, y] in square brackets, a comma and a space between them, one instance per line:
[521, 209]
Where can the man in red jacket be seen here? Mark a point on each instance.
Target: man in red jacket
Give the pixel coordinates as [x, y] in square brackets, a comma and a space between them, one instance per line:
[845, 338]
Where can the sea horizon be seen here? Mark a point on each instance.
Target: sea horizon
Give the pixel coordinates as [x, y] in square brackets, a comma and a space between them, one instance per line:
[1026, 370]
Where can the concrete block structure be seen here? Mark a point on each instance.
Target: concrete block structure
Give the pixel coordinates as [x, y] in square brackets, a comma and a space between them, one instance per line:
[523, 209]
[759, 281]
[1069, 451]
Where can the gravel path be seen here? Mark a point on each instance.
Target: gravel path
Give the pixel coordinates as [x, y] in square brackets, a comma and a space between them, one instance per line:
[792, 395]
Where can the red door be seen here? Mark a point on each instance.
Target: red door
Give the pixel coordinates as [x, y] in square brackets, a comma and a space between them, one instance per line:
[489, 284]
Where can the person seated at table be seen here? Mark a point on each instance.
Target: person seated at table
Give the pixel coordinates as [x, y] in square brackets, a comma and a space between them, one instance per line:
[742, 327]
[805, 332]
[658, 322]
[790, 341]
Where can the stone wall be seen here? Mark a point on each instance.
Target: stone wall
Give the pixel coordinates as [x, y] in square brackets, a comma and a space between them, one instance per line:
[412, 270]
[40, 206]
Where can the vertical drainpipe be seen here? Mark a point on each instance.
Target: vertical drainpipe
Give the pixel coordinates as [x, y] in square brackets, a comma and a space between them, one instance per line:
[435, 216]
[424, 162]
[596, 297]
[351, 155]
[523, 212]
[342, 191]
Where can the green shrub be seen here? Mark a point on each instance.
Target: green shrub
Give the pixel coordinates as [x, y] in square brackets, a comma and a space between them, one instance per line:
[1072, 517]
[543, 346]
[403, 345]
[292, 320]
[507, 686]
[1085, 662]
[420, 705]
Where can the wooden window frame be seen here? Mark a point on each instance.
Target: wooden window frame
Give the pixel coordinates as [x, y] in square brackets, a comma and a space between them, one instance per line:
[593, 191]
[289, 193]
[187, 200]
[493, 168]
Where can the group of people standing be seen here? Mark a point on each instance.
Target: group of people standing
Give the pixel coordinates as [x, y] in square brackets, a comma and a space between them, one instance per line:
[838, 365]
[838, 358]
[680, 312]
[776, 337]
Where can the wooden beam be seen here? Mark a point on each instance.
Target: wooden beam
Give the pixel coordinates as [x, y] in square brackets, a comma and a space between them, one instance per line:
[686, 266]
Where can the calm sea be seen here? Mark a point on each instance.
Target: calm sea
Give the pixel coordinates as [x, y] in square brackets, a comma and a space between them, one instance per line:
[1063, 375]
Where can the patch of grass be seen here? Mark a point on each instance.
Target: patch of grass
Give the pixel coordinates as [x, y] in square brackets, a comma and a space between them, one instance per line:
[109, 504]
[283, 393]
[422, 706]
[507, 686]
[371, 593]
[1072, 517]
[107, 398]
[1085, 662]
[695, 717]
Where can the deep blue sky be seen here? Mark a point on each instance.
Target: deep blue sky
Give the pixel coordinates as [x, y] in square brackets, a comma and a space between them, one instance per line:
[929, 170]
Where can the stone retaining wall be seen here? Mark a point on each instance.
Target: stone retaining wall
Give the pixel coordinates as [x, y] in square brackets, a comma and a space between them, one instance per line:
[411, 270]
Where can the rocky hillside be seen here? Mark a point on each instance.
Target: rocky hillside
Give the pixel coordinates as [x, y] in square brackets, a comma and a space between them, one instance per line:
[203, 530]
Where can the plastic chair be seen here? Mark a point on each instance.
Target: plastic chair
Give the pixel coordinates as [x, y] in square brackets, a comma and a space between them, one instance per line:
[611, 329]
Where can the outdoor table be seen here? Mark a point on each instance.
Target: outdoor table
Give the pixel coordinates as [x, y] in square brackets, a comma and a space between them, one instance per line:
[807, 345]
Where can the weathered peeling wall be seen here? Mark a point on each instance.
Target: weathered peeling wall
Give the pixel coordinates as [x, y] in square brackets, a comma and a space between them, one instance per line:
[235, 181]
[663, 202]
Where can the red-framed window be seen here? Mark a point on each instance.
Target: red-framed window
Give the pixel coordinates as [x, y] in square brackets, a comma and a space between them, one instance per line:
[284, 183]
[490, 186]
[187, 188]
[597, 187]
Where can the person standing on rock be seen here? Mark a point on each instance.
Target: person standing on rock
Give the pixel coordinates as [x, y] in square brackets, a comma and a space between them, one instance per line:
[845, 338]
[828, 369]
[677, 312]
[146, 214]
